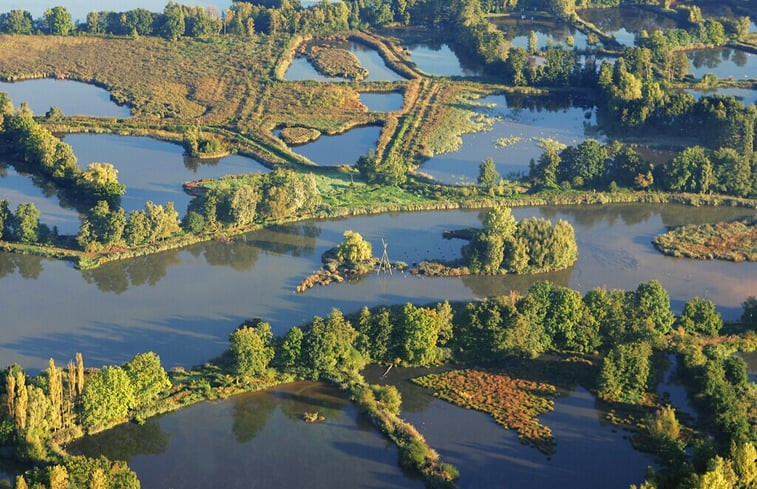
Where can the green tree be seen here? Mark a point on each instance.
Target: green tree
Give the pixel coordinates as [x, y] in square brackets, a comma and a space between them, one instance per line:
[418, 334]
[17, 22]
[290, 351]
[583, 165]
[329, 346]
[749, 312]
[690, 171]
[173, 25]
[250, 348]
[243, 205]
[58, 21]
[488, 176]
[625, 371]
[107, 397]
[137, 229]
[6, 220]
[649, 305]
[148, 378]
[102, 228]
[733, 172]
[700, 317]
[664, 425]
[353, 251]
[26, 223]
[103, 179]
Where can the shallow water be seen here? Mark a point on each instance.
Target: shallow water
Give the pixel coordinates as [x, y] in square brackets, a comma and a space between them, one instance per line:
[526, 118]
[439, 60]
[154, 170]
[72, 97]
[343, 148]
[302, 70]
[20, 188]
[590, 453]
[746, 95]
[382, 102]
[723, 62]
[624, 23]
[257, 440]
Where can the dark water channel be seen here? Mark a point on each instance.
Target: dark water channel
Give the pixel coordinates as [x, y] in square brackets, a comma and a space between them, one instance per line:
[183, 304]
[723, 62]
[547, 33]
[257, 440]
[72, 97]
[626, 22]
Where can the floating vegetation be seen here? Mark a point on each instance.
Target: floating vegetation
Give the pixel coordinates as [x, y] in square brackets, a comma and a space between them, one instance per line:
[313, 417]
[299, 135]
[514, 403]
[734, 241]
[337, 62]
[505, 142]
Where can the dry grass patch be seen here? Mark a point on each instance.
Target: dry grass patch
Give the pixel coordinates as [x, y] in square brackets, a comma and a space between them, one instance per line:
[732, 241]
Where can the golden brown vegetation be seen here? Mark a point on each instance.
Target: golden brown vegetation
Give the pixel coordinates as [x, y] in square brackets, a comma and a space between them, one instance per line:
[733, 241]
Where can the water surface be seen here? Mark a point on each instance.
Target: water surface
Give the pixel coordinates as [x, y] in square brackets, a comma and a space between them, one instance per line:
[723, 62]
[382, 102]
[301, 69]
[439, 60]
[343, 148]
[625, 23]
[182, 304]
[257, 440]
[18, 187]
[72, 97]
[517, 31]
[154, 170]
[527, 118]
[590, 453]
[746, 95]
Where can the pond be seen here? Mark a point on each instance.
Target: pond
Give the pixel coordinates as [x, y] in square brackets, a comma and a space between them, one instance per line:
[517, 32]
[438, 59]
[18, 187]
[723, 62]
[182, 304]
[301, 69]
[523, 121]
[624, 23]
[382, 102]
[72, 97]
[746, 95]
[154, 170]
[257, 440]
[351, 145]
[590, 452]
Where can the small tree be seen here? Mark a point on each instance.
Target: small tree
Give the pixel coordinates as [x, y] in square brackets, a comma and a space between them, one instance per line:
[700, 317]
[488, 176]
[250, 348]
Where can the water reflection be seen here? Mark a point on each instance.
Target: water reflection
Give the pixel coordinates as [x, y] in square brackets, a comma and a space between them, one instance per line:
[723, 62]
[56, 207]
[352, 145]
[625, 22]
[522, 121]
[72, 97]
[183, 304]
[260, 438]
[125, 442]
[27, 266]
[547, 33]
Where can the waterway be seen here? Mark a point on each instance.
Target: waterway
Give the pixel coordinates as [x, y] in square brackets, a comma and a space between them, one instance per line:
[183, 304]
[724, 63]
[625, 23]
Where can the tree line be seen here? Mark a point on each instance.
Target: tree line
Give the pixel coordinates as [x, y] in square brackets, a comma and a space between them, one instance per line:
[533, 245]
[591, 165]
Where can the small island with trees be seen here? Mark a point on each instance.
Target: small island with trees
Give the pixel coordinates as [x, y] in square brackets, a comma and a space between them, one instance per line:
[732, 241]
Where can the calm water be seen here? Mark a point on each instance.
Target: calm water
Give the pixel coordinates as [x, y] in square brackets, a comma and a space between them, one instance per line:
[439, 60]
[258, 440]
[723, 62]
[590, 453]
[547, 33]
[72, 97]
[154, 170]
[526, 118]
[343, 148]
[746, 95]
[301, 69]
[624, 23]
[183, 304]
[19, 188]
[382, 102]
[751, 363]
